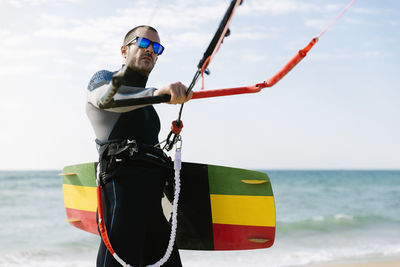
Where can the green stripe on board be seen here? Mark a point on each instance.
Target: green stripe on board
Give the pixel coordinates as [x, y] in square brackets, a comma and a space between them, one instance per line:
[227, 181]
[86, 174]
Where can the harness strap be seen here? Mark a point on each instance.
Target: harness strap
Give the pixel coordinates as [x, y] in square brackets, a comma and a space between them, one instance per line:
[114, 154]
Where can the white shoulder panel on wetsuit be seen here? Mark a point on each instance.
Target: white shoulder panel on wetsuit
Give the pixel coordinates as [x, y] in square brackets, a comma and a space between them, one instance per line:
[124, 92]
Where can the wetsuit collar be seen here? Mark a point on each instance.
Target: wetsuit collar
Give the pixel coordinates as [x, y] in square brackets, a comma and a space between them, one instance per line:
[134, 78]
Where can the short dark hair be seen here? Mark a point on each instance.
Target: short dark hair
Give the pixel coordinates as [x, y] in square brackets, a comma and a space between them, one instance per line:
[129, 36]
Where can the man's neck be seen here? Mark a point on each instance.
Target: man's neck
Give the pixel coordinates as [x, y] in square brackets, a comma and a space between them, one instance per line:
[134, 78]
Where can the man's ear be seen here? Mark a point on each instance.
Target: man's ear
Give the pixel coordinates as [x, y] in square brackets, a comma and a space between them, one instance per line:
[124, 51]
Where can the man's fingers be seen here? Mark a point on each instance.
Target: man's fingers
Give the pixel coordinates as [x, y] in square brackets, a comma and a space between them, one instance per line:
[178, 93]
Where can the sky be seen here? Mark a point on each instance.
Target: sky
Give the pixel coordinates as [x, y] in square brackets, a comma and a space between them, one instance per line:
[338, 109]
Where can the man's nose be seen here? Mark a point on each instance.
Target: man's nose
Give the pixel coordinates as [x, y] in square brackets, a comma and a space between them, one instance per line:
[150, 48]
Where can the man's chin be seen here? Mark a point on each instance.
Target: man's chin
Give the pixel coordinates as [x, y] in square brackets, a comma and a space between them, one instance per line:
[143, 69]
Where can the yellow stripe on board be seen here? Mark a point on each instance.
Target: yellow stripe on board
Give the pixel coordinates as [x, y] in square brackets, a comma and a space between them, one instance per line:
[243, 210]
[80, 197]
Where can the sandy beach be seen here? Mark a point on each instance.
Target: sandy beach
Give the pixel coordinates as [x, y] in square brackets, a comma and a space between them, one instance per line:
[372, 263]
[375, 264]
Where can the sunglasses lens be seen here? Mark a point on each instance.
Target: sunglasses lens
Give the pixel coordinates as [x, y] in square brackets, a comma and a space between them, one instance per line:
[143, 42]
[157, 48]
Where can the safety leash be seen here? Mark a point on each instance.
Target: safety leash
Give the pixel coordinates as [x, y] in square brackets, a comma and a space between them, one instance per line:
[177, 169]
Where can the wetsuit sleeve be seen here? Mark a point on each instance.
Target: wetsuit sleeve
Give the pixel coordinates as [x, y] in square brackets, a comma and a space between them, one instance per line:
[99, 84]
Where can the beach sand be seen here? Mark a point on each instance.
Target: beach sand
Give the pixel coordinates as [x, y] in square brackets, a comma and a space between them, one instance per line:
[372, 263]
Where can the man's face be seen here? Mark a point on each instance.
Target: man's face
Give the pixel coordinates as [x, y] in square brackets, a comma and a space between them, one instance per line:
[141, 59]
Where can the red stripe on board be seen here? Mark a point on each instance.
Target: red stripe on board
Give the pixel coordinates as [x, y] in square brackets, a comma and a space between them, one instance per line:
[87, 220]
[236, 237]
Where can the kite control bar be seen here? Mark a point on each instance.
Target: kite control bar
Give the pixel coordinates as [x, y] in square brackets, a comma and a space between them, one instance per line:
[226, 91]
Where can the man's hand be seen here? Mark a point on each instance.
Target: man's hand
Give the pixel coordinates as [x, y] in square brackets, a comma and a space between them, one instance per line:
[177, 91]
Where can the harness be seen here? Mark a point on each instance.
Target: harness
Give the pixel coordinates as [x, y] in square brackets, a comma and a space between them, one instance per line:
[114, 154]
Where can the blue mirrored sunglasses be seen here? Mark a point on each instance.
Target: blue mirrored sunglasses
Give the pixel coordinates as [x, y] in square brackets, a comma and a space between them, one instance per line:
[144, 43]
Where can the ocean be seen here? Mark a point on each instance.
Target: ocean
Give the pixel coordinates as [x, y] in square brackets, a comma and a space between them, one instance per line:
[322, 217]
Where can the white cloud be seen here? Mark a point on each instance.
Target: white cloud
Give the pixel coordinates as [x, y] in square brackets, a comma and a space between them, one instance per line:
[255, 33]
[93, 30]
[367, 11]
[294, 45]
[184, 23]
[194, 39]
[357, 21]
[23, 3]
[329, 12]
[262, 7]
[394, 23]
[98, 35]
[64, 61]
[372, 54]
[252, 57]
[180, 20]
[316, 23]
[332, 7]
[7, 70]
[9, 39]
[50, 19]
[177, 16]
[19, 53]
[15, 3]
[341, 55]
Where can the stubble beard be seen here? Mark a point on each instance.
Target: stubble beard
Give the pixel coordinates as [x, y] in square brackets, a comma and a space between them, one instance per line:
[144, 68]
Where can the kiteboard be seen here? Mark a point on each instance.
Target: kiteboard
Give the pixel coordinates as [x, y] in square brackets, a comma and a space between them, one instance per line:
[220, 208]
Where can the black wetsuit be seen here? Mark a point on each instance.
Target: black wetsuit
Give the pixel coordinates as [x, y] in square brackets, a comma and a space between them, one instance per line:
[136, 225]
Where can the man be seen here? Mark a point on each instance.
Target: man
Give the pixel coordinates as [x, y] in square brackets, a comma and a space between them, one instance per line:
[133, 171]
